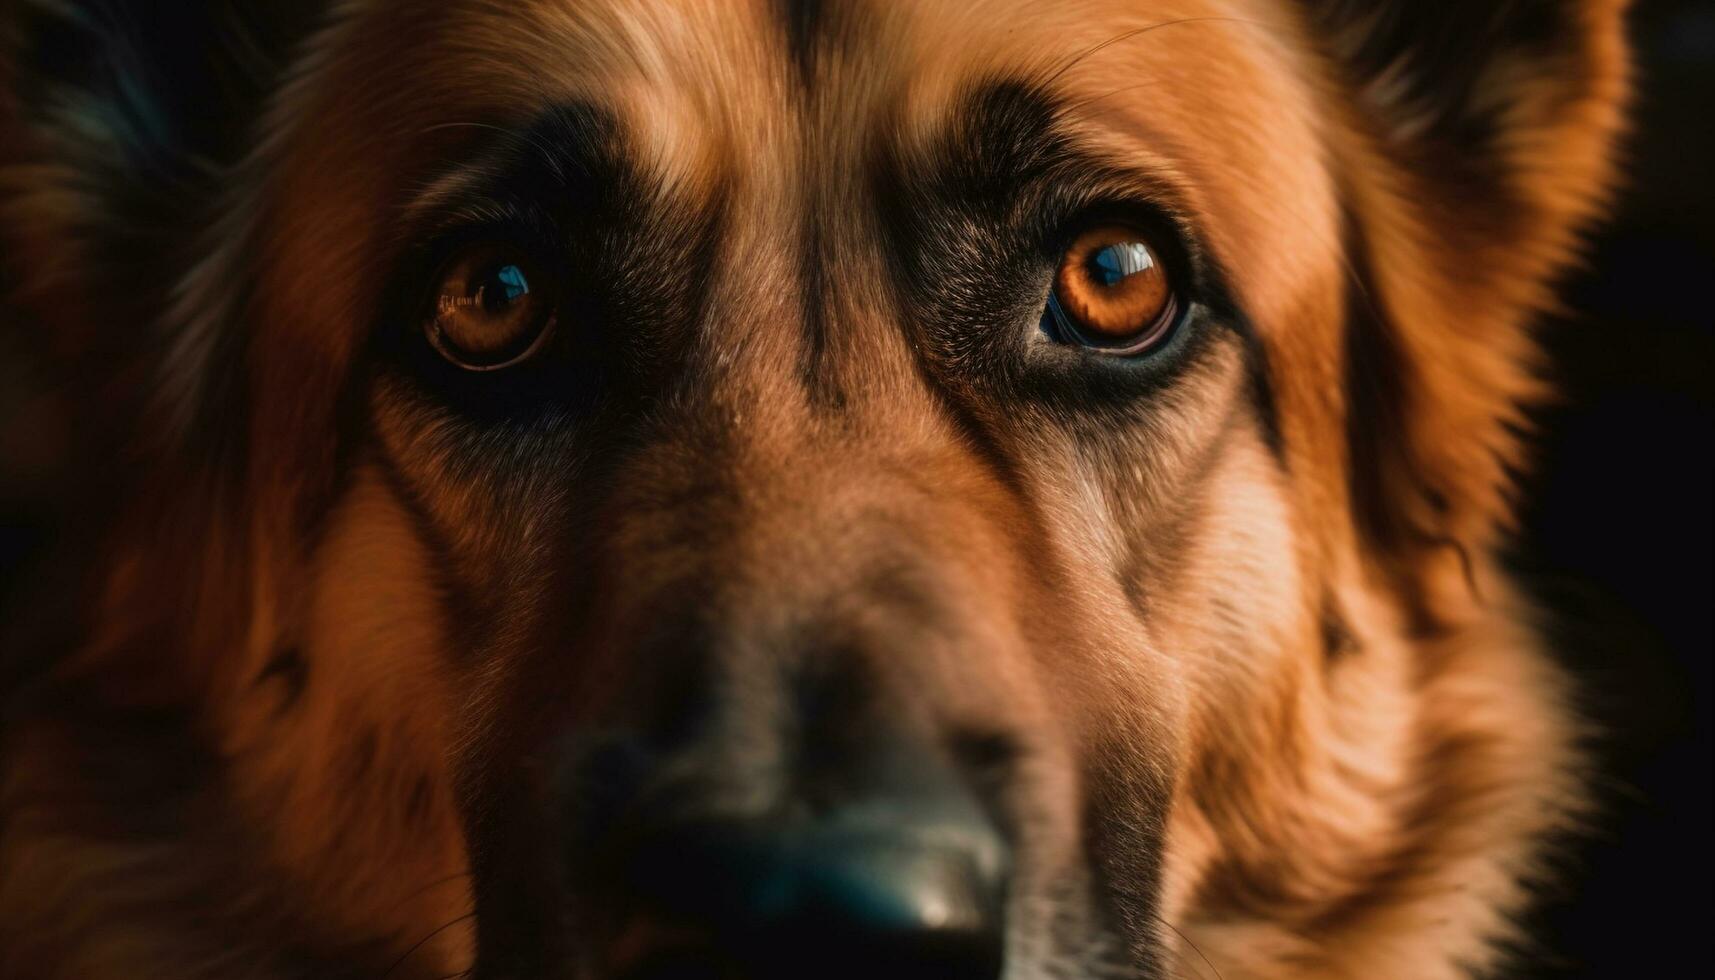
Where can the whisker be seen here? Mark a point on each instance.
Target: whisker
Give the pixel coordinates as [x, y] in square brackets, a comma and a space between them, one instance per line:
[1091, 100]
[1194, 947]
[1124, 36]
[520, 135]
[438, 882]
[443, 927]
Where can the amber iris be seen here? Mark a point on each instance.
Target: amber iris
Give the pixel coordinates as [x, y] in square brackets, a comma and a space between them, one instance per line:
[1112, 292]
[490, 308]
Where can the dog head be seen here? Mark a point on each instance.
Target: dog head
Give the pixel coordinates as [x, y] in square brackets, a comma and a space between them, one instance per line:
[784, 489]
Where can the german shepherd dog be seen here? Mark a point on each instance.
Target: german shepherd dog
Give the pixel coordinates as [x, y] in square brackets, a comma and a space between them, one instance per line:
[645, 489]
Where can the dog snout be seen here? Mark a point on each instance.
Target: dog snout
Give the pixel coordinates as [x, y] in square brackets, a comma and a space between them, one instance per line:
[783, 784]
[880, 892]
[794, 817]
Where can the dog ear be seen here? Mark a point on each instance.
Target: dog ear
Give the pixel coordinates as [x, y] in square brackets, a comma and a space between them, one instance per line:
[1479, 144]
[119, 123]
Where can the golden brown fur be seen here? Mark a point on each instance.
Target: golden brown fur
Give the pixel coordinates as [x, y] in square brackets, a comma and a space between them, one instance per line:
[1280, 712]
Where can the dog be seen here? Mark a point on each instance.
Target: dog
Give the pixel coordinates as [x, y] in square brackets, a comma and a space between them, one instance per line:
[625, 489]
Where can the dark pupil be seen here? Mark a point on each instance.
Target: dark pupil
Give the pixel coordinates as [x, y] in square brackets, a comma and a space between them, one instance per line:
[501, 288]
[1111, 264]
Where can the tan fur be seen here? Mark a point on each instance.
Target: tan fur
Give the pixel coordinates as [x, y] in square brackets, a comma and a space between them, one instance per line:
[1372, 810]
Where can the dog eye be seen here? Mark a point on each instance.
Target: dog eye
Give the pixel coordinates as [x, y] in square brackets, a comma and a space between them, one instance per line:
[492, 308]
[1111, 294]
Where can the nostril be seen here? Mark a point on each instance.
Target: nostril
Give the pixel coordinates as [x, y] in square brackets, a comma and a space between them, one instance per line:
[890, 889]
[752, 901]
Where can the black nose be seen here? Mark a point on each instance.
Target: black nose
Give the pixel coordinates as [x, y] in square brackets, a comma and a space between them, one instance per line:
[864, 895]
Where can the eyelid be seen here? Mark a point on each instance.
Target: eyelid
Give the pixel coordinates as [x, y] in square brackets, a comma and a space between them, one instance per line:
[434, 231]
[1168, 232]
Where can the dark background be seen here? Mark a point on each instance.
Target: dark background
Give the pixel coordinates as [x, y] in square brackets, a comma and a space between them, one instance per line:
[1617, 534]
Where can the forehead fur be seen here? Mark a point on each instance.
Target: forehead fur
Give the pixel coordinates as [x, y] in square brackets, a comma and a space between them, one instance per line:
[778, 100]
[784, 109]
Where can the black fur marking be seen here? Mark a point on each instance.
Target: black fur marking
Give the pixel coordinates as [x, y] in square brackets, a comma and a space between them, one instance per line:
[813, 290]
[1375, 416]
[1435, 59]
[291, 670]
[1338, 643]
[174, 83]
[1438, 52]
[144, 106]
[1387, 486]
[978, 438]
[1156, 556]
[804, 22]
[1262, 397]
[1127, 854]
[465, 613]
[143, 766]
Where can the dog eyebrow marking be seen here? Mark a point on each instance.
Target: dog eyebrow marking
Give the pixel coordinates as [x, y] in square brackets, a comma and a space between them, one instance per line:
[571, 147]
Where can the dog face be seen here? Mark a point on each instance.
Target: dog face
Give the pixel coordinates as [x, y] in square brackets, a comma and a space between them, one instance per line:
[815, 489]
